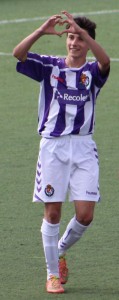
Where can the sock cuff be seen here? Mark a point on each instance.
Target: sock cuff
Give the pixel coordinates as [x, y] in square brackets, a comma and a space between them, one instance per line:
[49, 229]
[76, 226]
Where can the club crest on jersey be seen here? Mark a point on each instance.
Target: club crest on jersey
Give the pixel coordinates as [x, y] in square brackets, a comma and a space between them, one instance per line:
[49, 190]
[86, 79]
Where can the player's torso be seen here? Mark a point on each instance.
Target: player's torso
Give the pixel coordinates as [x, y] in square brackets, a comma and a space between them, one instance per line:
[69, 101]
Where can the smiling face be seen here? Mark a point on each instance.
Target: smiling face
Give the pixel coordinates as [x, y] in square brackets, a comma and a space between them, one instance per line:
[76, 47]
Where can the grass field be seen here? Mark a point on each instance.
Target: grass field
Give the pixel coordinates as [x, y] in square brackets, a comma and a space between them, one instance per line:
[94, 262]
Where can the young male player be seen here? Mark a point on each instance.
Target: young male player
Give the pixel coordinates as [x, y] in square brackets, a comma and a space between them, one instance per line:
[68, 158]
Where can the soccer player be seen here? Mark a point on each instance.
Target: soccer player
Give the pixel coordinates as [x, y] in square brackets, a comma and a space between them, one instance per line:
[68, 157]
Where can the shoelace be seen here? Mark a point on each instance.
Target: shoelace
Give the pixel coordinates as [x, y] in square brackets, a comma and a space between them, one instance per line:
[55, 282]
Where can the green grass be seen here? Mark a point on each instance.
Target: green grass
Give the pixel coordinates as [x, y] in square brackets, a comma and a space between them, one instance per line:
[93, 263]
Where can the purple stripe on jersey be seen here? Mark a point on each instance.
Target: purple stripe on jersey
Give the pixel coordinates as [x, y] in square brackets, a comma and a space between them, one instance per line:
[60, 123]
[48, 98]
[79, 120]
[32, 67]
[98, 78]
[92, 118]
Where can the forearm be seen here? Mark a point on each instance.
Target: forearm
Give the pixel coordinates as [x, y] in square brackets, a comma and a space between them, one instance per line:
[20, 51]
[99, 53]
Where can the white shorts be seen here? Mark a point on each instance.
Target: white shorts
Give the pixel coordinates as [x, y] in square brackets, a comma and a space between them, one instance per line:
[67, 165]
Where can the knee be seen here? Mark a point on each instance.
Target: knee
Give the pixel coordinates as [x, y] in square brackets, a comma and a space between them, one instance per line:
[52, 214]
[85, 219]
[53, 217]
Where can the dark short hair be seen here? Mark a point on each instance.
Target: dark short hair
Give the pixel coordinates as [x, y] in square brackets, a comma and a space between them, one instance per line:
[86, 24]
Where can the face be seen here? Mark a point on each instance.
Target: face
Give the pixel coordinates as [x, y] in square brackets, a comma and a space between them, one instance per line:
[76, 47]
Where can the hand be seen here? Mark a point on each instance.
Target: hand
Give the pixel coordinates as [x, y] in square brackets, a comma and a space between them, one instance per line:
[73, 27]
[49, 26]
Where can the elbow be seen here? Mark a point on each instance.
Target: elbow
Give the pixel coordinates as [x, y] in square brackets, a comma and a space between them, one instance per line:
[106, 64]
[18, 55]
[15, 53]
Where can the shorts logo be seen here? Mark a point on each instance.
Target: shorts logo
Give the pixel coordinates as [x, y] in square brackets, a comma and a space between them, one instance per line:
[91, 193]
[49, 190]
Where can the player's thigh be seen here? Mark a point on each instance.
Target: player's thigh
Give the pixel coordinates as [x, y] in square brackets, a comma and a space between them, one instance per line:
[84, 182]
[54, 170]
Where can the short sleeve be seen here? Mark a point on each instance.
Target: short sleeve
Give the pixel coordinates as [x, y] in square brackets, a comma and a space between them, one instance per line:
[99, 79]
[32, 67]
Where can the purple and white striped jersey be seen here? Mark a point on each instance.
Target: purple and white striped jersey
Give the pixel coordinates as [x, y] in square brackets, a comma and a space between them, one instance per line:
[67, 95]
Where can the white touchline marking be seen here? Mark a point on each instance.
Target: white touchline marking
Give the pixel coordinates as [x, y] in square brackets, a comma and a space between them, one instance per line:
[111, 58]
[5, 54]
[100, 12]
[88, 58]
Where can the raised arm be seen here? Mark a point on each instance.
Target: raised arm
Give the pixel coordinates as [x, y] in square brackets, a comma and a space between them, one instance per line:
[99, 53]
[20, 51]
